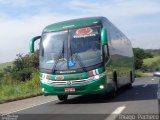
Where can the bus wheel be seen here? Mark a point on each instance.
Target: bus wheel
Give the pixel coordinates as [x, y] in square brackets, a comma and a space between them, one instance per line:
[130, 84]
[114, 91]
[62, 97]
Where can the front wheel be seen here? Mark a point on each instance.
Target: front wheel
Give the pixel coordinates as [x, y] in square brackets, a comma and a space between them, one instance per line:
[62, 97]
[114, 91]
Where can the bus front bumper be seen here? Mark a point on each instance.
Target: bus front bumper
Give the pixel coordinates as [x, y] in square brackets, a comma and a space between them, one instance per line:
[98, 86]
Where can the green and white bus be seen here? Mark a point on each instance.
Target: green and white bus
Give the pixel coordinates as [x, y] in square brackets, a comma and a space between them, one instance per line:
[84, 56]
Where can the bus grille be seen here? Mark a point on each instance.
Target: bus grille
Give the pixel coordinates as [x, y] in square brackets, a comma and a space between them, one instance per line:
[73, 82]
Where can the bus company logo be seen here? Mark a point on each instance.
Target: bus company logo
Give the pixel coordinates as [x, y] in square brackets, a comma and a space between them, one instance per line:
[59, 77]
[84, 31]
[69, 82]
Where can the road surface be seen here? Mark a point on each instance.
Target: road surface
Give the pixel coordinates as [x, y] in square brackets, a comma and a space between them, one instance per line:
[141, 99]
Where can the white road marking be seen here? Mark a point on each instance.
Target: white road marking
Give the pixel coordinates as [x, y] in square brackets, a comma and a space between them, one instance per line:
[32, 106]
[115, 113]
[145, 85]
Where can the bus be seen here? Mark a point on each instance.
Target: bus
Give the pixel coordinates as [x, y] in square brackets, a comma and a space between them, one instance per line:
[84, 56]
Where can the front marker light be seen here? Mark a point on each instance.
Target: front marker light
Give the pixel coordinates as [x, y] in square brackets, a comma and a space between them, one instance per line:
[101, 86]
[42, 89]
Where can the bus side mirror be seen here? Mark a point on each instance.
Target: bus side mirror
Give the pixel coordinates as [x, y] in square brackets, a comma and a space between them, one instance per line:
[32, 41]
[104, 39]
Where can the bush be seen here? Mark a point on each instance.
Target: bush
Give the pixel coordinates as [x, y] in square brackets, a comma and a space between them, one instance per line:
[22, 75]
[144, 68]
[21, 79]
[151, 64]
[22, 68]
[139, 55]
[1, 75]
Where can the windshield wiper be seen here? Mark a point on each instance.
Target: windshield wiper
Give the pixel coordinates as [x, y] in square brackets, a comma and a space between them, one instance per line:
[57, 60]
[78, 60]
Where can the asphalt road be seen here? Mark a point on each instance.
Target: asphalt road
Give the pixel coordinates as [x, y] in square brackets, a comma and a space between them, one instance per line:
[140, 99]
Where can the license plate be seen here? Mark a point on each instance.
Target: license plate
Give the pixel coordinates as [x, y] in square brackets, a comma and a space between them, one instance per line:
[69, 90]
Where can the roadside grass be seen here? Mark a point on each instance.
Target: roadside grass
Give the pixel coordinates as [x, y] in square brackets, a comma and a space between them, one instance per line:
[140, 73]
[4, 65]
[14, 90]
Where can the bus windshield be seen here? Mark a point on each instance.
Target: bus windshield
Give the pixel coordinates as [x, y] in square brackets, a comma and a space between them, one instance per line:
[71, 49]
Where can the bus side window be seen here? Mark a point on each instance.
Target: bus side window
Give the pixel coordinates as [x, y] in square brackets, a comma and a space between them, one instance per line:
[106, 52]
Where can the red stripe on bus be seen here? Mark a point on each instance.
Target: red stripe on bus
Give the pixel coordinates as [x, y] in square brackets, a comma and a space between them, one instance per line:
[90, 73]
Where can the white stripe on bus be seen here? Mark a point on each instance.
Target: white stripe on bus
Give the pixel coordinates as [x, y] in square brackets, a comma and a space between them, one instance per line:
[94, 72]
[97, 72]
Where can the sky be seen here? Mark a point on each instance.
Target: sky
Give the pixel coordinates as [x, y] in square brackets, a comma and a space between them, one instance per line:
[20, 20]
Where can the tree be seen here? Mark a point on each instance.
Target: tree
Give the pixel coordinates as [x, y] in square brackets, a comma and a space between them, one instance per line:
[139, 55]
[24, 66]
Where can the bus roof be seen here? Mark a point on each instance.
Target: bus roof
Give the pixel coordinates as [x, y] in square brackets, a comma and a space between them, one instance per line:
[75, 23]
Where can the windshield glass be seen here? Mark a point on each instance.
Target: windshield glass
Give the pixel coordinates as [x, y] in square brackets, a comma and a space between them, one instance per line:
[71, 49]
[85, 47]
[54, 48]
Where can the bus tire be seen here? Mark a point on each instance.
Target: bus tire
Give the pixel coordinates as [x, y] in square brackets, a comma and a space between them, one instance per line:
[114, 91]
[62, 97]
[131, 80]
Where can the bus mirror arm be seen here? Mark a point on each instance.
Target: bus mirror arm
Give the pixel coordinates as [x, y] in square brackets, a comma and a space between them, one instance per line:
[32, 41]
[106, 51]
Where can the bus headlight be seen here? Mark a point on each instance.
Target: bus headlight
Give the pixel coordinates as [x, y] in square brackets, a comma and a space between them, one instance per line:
[101, 86]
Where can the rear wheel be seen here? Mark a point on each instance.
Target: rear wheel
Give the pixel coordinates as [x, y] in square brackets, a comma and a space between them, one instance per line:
[62, 97]
[131, 79]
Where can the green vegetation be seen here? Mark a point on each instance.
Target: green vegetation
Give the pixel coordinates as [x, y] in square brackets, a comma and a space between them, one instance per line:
[4, 65]
[151, 64]
[146, 61]
[154, 52]
[20, 79]
[14, 90]
[139, 73]
[139, 55]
